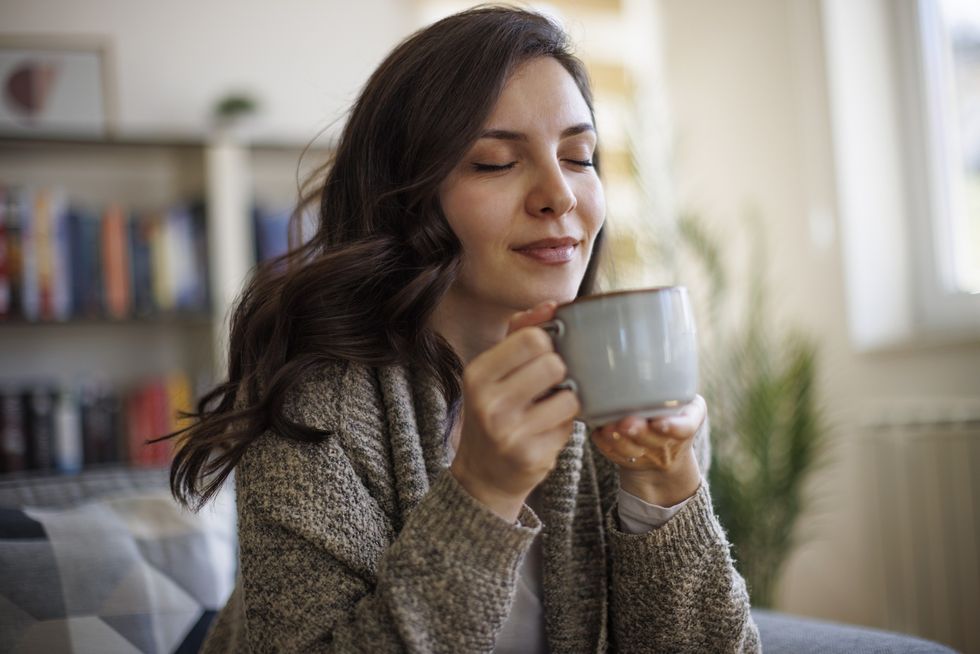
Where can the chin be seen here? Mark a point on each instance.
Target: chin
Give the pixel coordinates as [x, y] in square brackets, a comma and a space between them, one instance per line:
[559, 295]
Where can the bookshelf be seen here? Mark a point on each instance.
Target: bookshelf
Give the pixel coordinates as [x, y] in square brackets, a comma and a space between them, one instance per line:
[171, 351]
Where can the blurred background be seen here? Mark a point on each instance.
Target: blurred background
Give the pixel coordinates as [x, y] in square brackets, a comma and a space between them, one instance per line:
[809, 168]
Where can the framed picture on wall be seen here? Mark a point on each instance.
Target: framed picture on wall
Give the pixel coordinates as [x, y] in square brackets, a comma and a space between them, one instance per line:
[56, 86]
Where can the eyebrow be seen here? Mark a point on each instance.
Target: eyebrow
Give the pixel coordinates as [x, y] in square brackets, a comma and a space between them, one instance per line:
[508, 135]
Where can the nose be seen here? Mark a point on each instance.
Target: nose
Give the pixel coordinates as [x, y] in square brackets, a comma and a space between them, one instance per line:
[550, 194]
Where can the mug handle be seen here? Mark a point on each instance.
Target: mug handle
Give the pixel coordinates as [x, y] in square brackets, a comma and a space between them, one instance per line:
[556, 329]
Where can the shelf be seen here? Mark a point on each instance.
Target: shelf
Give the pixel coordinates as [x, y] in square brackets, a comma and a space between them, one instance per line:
[155, 141]
[170, 319]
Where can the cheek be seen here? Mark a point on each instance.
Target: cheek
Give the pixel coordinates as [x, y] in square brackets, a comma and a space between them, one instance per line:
[473, 212]
[592, 205]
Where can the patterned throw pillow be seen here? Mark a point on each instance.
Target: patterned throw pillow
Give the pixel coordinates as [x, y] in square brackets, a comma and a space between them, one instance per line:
[125, 573]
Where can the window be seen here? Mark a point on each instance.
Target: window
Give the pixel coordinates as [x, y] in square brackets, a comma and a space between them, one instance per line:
[904, 89]
[950, 32]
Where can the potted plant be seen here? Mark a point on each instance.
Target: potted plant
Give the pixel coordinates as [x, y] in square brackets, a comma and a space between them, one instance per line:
[768, 428]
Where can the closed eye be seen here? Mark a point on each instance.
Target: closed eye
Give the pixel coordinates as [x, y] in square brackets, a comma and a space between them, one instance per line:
[489, 168]
[583, 163]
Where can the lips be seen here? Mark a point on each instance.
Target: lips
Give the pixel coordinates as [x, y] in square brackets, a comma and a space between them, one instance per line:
[550, 250]
[548, 243]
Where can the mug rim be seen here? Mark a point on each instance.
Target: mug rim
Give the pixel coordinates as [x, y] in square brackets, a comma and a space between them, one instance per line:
[600, 296]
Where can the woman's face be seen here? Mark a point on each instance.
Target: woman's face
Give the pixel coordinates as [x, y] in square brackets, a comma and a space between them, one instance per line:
[525, 201]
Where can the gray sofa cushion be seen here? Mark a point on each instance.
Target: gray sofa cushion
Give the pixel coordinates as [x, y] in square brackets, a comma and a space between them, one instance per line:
[786, 634]
[105, 561]
[110, 563]
[34, 489]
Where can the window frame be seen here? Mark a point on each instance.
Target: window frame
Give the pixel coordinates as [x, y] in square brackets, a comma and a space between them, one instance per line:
[893, 165]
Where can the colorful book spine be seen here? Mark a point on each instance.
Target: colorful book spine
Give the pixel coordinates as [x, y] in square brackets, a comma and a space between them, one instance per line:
[199, 214]
[101, 430]
[13, 439]
[15, 256]
[6, 292]
[115, 261]
[39, 411]
[137, 428]
[61, 262]
[68, 456]
[140, 233]
[159, 453]
[44, 252]
[22, 205]
[163, 288]
[271, 232]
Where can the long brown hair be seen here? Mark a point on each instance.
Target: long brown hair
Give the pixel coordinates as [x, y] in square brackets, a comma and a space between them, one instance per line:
[363, 287]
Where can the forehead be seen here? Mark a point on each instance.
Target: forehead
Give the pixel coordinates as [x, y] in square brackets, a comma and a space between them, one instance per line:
[540, 92]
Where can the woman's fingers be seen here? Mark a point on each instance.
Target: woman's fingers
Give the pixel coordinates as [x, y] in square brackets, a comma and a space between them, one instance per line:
[618, 450]
[534, 379]
[656, 441]
[618, 442]
[533, 316]
[685, 422]
[560, 408]
[682, 423]
[518, 349]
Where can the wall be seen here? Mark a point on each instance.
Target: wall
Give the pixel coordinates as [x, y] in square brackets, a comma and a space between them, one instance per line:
[748, 98]
[304, 59]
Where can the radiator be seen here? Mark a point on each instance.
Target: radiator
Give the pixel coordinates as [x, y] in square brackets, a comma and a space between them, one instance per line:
[927, 507]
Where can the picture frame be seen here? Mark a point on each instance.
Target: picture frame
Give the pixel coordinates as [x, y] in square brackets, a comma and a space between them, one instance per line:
[57, 86]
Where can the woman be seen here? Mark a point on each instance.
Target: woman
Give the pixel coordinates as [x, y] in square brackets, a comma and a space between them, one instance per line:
[405, 480]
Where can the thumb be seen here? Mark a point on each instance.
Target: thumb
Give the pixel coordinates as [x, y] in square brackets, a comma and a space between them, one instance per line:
[536, 315]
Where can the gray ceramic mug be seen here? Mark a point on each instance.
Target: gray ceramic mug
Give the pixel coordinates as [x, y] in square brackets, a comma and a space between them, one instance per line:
[628, 353]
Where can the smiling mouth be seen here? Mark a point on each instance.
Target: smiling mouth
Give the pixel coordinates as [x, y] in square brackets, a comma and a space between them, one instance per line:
[550, 254]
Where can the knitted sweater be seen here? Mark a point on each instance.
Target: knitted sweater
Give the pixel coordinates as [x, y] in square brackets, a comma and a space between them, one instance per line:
[365, 543]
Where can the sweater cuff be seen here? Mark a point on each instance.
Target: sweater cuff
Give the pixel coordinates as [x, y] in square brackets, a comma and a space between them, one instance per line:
[468, 531]
[637, 516]
[681, 541]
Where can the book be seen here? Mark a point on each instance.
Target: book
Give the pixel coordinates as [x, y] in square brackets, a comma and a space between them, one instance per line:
[13, 220]
[160, 422]
[185, 279]
[163, 292]
[179, 399]
[140, 233]
[102, 433]
[115, 262]
[13, 439]
[21, 205]
[271, 232]
[138, 427]
[38, 402]
[199, 216]
[42, 241]
[6, 248]
[67, 446]
[84, 236]
[61, 287]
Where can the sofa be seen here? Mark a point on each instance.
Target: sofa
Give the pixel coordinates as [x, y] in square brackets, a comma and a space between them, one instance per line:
[105, 561]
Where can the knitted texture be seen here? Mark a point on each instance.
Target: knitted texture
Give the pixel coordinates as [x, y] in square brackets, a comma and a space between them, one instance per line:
[366, 543]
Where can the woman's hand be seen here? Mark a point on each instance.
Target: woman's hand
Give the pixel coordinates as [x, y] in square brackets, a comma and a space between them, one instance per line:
[511, 437]
[656, 457]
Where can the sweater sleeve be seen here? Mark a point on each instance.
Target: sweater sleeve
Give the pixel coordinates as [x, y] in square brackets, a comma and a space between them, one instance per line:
[322, 570]
[675, 588]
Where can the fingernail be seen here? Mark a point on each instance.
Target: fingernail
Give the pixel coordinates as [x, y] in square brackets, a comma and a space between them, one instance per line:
[616, 436]
[633, 430]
